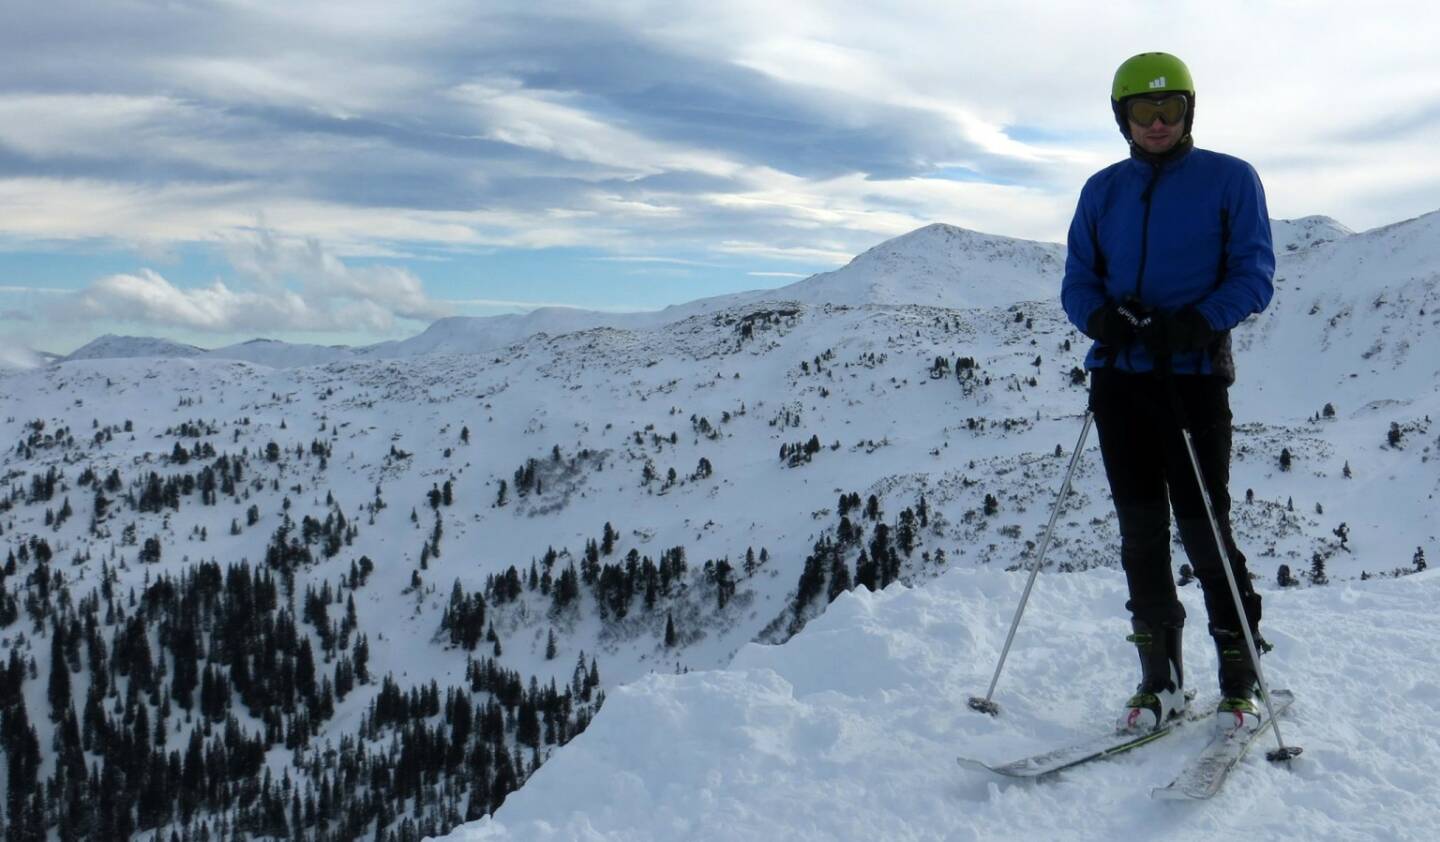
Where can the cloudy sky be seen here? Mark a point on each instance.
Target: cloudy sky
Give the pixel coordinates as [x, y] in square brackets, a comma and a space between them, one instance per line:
[345, 172]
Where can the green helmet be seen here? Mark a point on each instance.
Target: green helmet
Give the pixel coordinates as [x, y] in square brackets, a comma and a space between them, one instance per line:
[1151, 73]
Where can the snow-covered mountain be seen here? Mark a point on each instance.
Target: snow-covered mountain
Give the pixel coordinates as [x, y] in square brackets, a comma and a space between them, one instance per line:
[1291, 235]
[1356, 317]
[708, 470]
[938, 265]
[277, 354]
[112, 347]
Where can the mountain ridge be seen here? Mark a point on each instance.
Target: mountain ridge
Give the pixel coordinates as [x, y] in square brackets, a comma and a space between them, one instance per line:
[943, 265]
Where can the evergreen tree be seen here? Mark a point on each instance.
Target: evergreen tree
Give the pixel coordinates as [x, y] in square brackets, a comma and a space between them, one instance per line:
[867, 575]
[1343, 533]
[22, 754]
[905, 532]
[305, 672]
[59, 687]
[724, 583]
[839, 578]
[362, 659]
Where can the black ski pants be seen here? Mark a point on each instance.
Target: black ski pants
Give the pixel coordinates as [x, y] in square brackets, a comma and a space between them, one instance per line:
[1150, 474]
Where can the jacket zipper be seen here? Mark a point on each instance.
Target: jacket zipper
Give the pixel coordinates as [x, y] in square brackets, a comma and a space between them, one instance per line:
[1145, 230]
[1144, 246]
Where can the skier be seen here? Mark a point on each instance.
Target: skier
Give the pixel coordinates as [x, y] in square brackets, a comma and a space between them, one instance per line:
[1169, 250]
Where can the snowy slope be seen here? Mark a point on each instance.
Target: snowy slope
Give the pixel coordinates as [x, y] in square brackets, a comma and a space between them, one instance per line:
[847, 358]
[850, 730]
[940, 266]
[1354, 325]
[1291, 235]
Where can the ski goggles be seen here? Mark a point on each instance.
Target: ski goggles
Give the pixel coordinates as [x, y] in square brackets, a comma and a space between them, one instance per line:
[1171, 110]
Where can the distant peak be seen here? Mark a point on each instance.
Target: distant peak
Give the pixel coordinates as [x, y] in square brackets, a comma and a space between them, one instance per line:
[941, 233]
[111, 346]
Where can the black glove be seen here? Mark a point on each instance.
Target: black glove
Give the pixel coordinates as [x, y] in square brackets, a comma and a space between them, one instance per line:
[1187, 330]
[1180, 332]
[1116, 324]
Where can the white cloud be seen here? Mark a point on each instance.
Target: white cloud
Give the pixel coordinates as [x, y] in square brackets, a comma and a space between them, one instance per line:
[554, 122]
[807, 254]
[632, 258]
[298, 286]
[16, 356]
[10, 288]
[525, 306]
[459, 127]
[1317, 70]
[81, 124]
[272, 262]
[970, 70]
[866, 210]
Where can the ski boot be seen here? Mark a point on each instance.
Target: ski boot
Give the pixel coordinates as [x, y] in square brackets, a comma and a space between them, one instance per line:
[1240, 701]
[1161, 693]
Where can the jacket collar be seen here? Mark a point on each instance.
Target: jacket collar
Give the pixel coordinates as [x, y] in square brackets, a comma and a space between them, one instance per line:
[1170, 160]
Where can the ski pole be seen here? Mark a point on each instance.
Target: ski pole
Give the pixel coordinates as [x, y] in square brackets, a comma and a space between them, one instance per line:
[985, 705]
[1282, 752]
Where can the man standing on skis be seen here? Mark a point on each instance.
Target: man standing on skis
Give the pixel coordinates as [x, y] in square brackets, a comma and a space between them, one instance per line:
[1169, 250]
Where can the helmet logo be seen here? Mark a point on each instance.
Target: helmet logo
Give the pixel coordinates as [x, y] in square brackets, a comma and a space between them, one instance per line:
[1157, 83]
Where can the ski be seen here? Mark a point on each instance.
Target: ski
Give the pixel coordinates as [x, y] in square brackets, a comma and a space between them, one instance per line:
[1206, 771]
[1095, 748]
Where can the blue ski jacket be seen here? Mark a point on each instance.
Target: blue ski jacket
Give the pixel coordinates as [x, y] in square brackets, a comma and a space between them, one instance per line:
[1191, 231]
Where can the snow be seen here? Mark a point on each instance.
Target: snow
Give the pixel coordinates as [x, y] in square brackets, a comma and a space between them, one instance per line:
[850, 730]
[1290, 235]
[276, 354]
[941, 266]
[112, 347]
